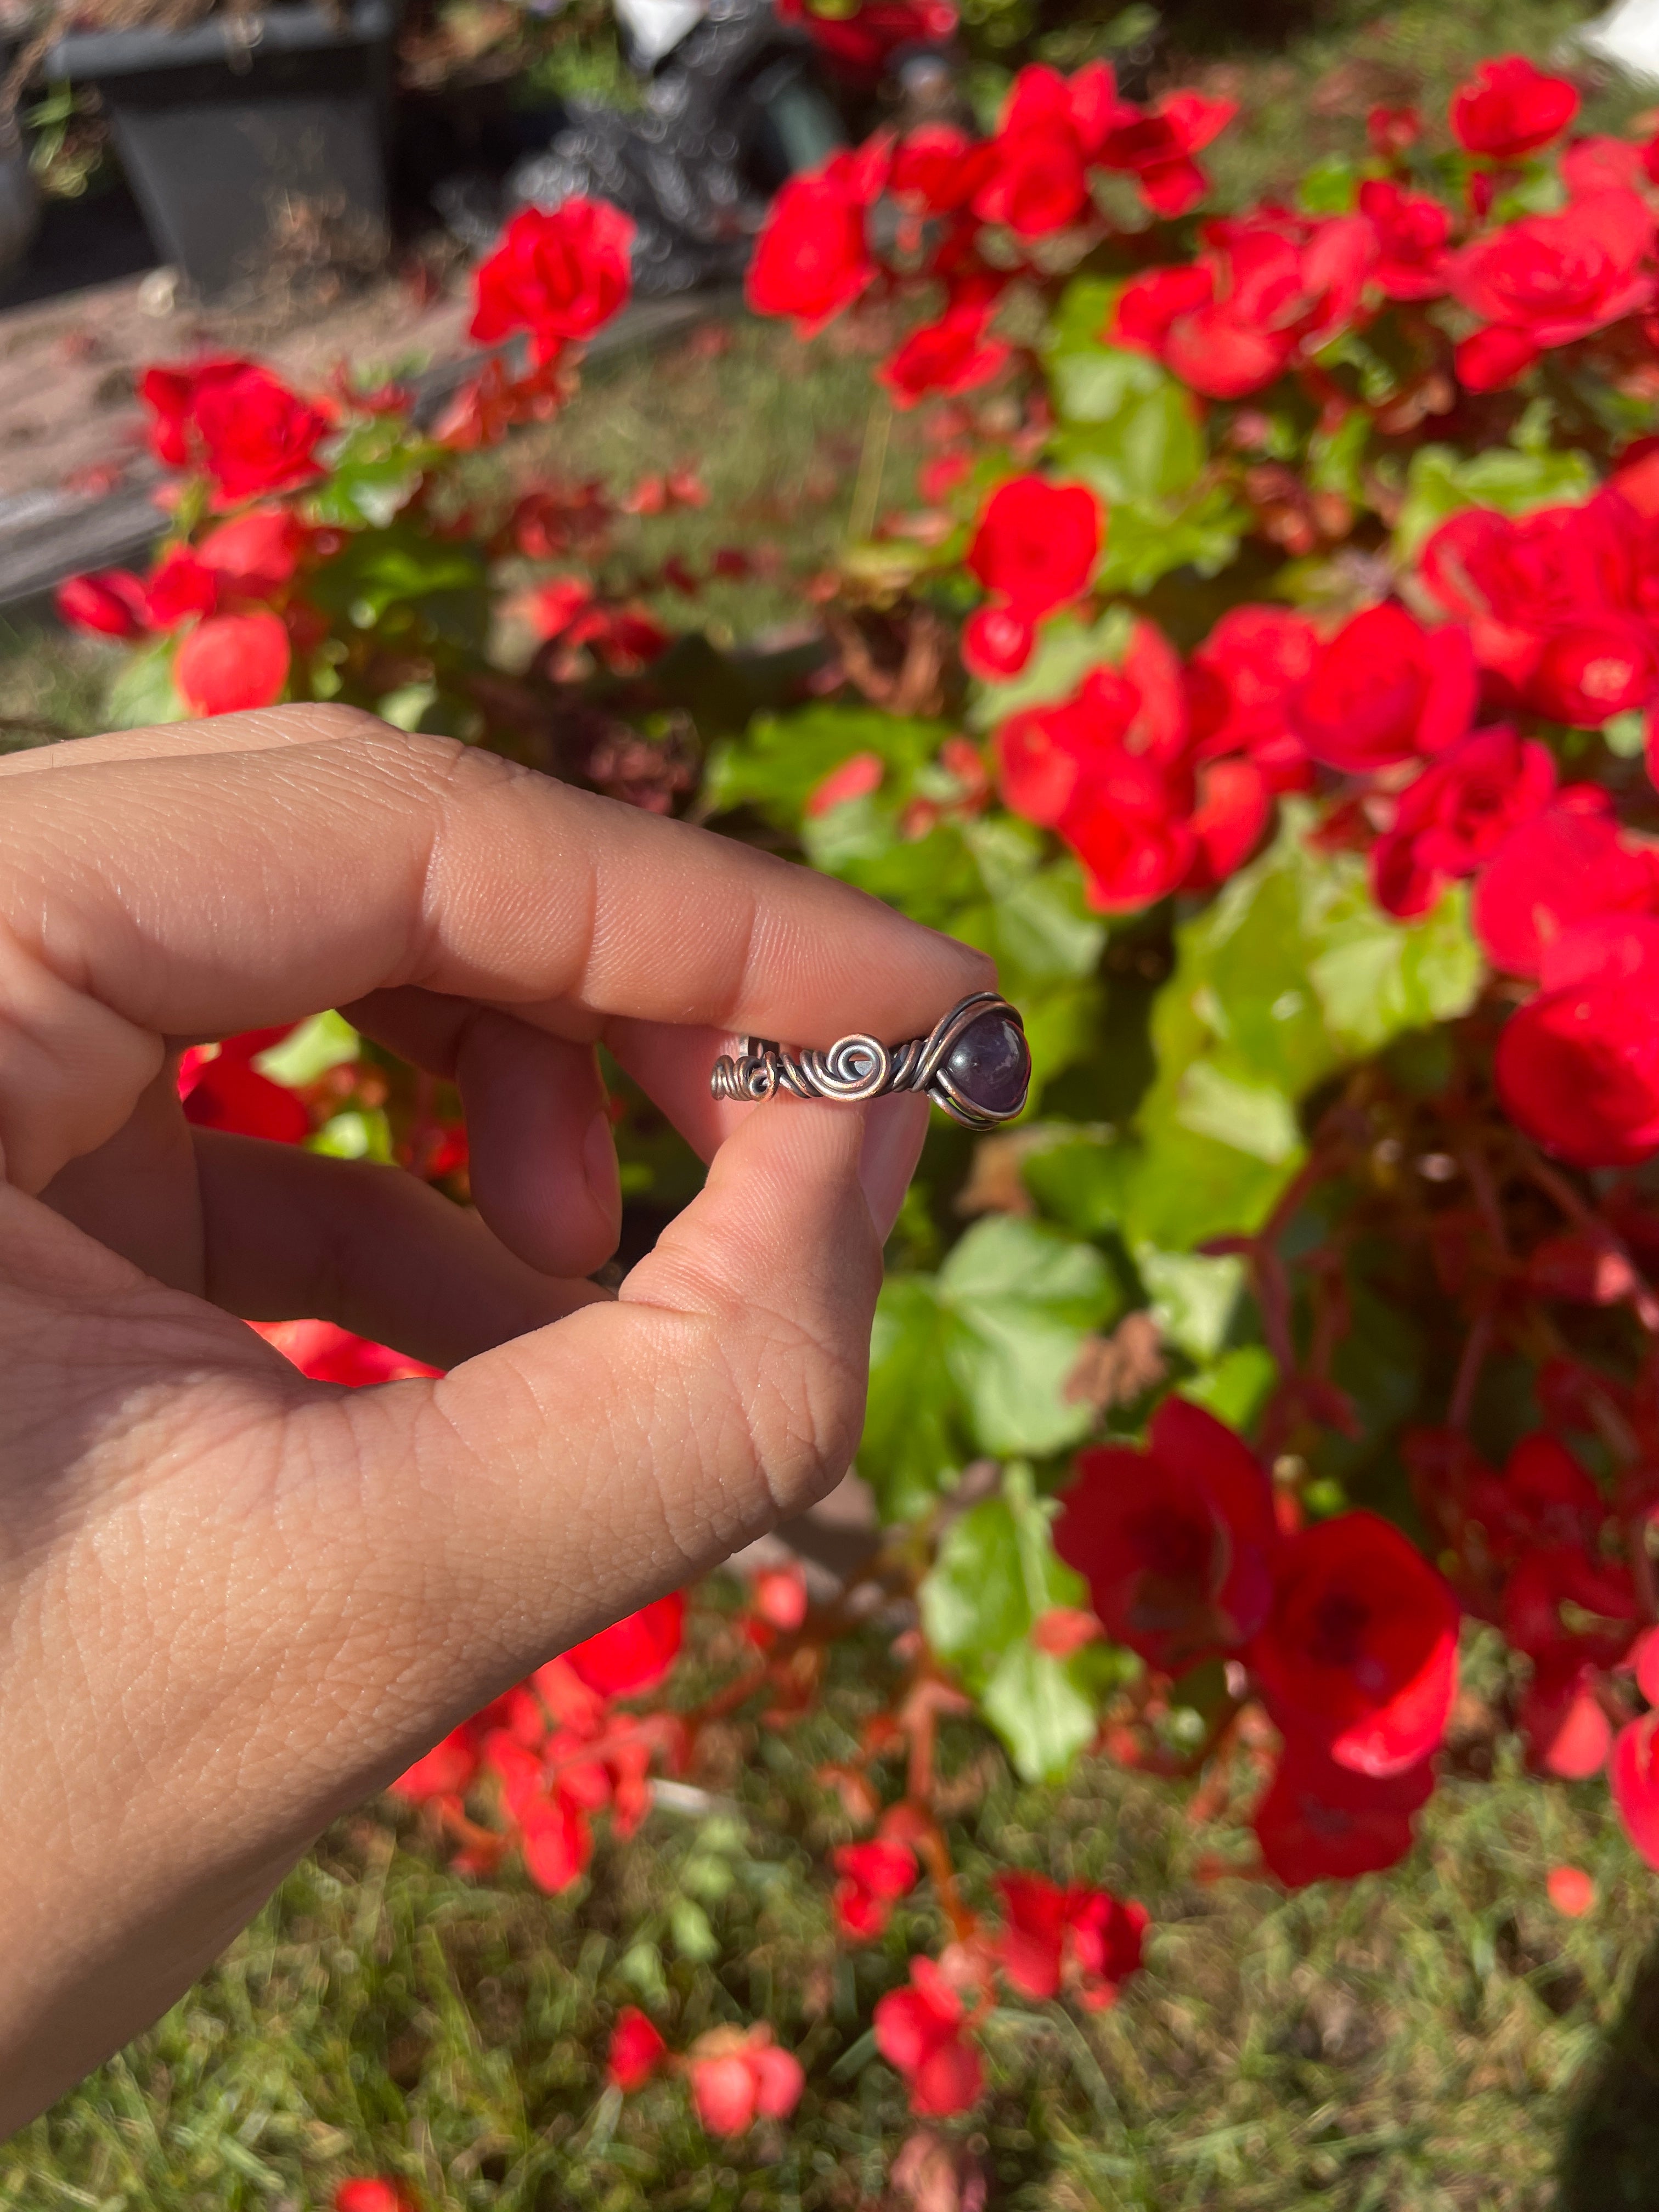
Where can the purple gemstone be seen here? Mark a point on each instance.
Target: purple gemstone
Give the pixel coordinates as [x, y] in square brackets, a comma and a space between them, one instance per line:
[991, 1064]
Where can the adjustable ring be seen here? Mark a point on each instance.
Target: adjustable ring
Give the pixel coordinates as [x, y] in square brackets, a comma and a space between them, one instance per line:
[975, 1066]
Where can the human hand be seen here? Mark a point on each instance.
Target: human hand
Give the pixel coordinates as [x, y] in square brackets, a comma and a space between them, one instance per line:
[238, 1601]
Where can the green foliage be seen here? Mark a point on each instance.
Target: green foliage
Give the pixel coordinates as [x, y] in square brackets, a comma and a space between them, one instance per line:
[974, 1359]
[1441, 482]
[995, 1576]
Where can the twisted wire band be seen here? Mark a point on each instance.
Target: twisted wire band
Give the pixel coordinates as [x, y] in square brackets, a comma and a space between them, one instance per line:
[858, 1067]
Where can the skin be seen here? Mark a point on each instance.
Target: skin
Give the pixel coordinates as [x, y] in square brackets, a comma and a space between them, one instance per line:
[236, 1602]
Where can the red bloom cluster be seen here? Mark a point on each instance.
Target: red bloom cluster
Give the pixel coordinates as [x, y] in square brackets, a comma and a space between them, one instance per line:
[1349, 1636]
[924, 2033]
[557, 273]
[556, 1753]
[737, 2075]
[1148, 804]
[1034, 548]
[1078, 1937]
[238, 423]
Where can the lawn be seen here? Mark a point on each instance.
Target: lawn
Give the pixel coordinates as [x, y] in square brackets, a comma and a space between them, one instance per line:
[1440, 2037]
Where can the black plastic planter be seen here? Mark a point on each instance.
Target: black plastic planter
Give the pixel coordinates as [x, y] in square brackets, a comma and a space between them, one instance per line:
[245, 131]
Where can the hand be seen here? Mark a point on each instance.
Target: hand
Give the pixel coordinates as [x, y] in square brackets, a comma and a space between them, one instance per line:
[237, 1602]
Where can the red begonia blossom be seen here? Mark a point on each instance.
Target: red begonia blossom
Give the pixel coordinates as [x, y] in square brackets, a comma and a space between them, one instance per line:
[937, 168]
[739, 2077]
[1543, 1497]
[921, 2033]
[1634, 1775]
[221, 1089]
[1157, 147]
[1079, 1937]
[1558, 277]
[1564, 1721]
[1412, 232]
[1456, 814]
[812, 259]
[1176, 1542]
[330, 1354]
[1570, 1890]
[951, 356]
[376, 2195]
[1036, 543]
[1392, 131]
[1570, 865]
[1385, 689]
[1493, 357]
[179, 586]
[1358, 1659]
[1239, 686]
[1231, 812]
[1578, 1067]
[996, 642]
[633, 1654]
[558, 273]
[230, 416]
[1265, 288]
[860, 43]
[873, 1877]
[1050, 128]
[112, 602]
[1319, 1821]
[636, 2050]
[229, 662]
[856, 778]
[255, 555]
[1508, 109]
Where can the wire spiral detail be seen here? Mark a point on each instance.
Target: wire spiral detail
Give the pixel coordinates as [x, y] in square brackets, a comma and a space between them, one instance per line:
[858, 1067]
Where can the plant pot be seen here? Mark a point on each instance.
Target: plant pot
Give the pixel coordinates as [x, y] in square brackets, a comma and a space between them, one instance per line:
[250, 142]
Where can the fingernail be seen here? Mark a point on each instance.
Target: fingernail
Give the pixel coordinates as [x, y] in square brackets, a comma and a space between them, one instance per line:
[894, 1128]
[599, 1166]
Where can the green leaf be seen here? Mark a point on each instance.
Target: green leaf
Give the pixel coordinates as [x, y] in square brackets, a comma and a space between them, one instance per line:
[355, 1136]
[1148, 541]
[1328, 187]
[142, 693]
[1234, 1389]
[1023, 1297]
[374, 470]
[1195, 1299]
[326, 1040]
[996, 1575]
[782, 759]
[1149, 449]
[402, 577]
[974, 1359]
[1036, 1705]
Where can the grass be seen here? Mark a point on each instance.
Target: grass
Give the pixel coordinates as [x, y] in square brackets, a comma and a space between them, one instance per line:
[1436, 2038]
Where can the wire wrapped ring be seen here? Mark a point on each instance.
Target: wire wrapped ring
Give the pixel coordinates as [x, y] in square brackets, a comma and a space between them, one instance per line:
[975, 1065]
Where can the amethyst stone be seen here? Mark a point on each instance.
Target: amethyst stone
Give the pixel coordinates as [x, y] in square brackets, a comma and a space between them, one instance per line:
[991, 1064]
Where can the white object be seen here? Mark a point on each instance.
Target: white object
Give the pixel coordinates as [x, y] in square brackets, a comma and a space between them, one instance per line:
[655, 27]
[1627, 36]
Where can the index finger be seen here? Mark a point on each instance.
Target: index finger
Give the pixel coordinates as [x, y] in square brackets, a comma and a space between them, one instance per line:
[200, 895]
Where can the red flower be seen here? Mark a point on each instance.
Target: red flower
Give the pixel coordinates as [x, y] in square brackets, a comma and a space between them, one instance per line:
[1578, 1067]
[249, 431]
[1411, 230]
[1265, 288]
[996, 642]
[179, 586]
[1227, 823]
[111, 601]
[255, 555]
[1038, 178]
[635, 1654]
[375, 2196]
[1584, 675]
[1558, 277]
[1635, 1779]
[1036, 544]
[1456, 814]
[1157, 147]
[1176, 1542]
[1552, 1578]
[1492, 358]
[937, 168]
[232, 662]
[919, 2032]
[951, 356]
[812, 259]
[1392, 131]
[1081, 1935]
[1568, 865]
[1544, 1497]
[1508, 109]
[1319, 1821]
[873, 1877]
[1565, 1723]
[558, 274]
[736, 2078]
[1570, 1890]
[1384, 689]
[1239, 685]
[1359, 1658]
[636, 2050]
[221, 1089]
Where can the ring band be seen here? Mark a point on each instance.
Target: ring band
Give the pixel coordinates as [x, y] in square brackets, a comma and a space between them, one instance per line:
[975, 1065]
